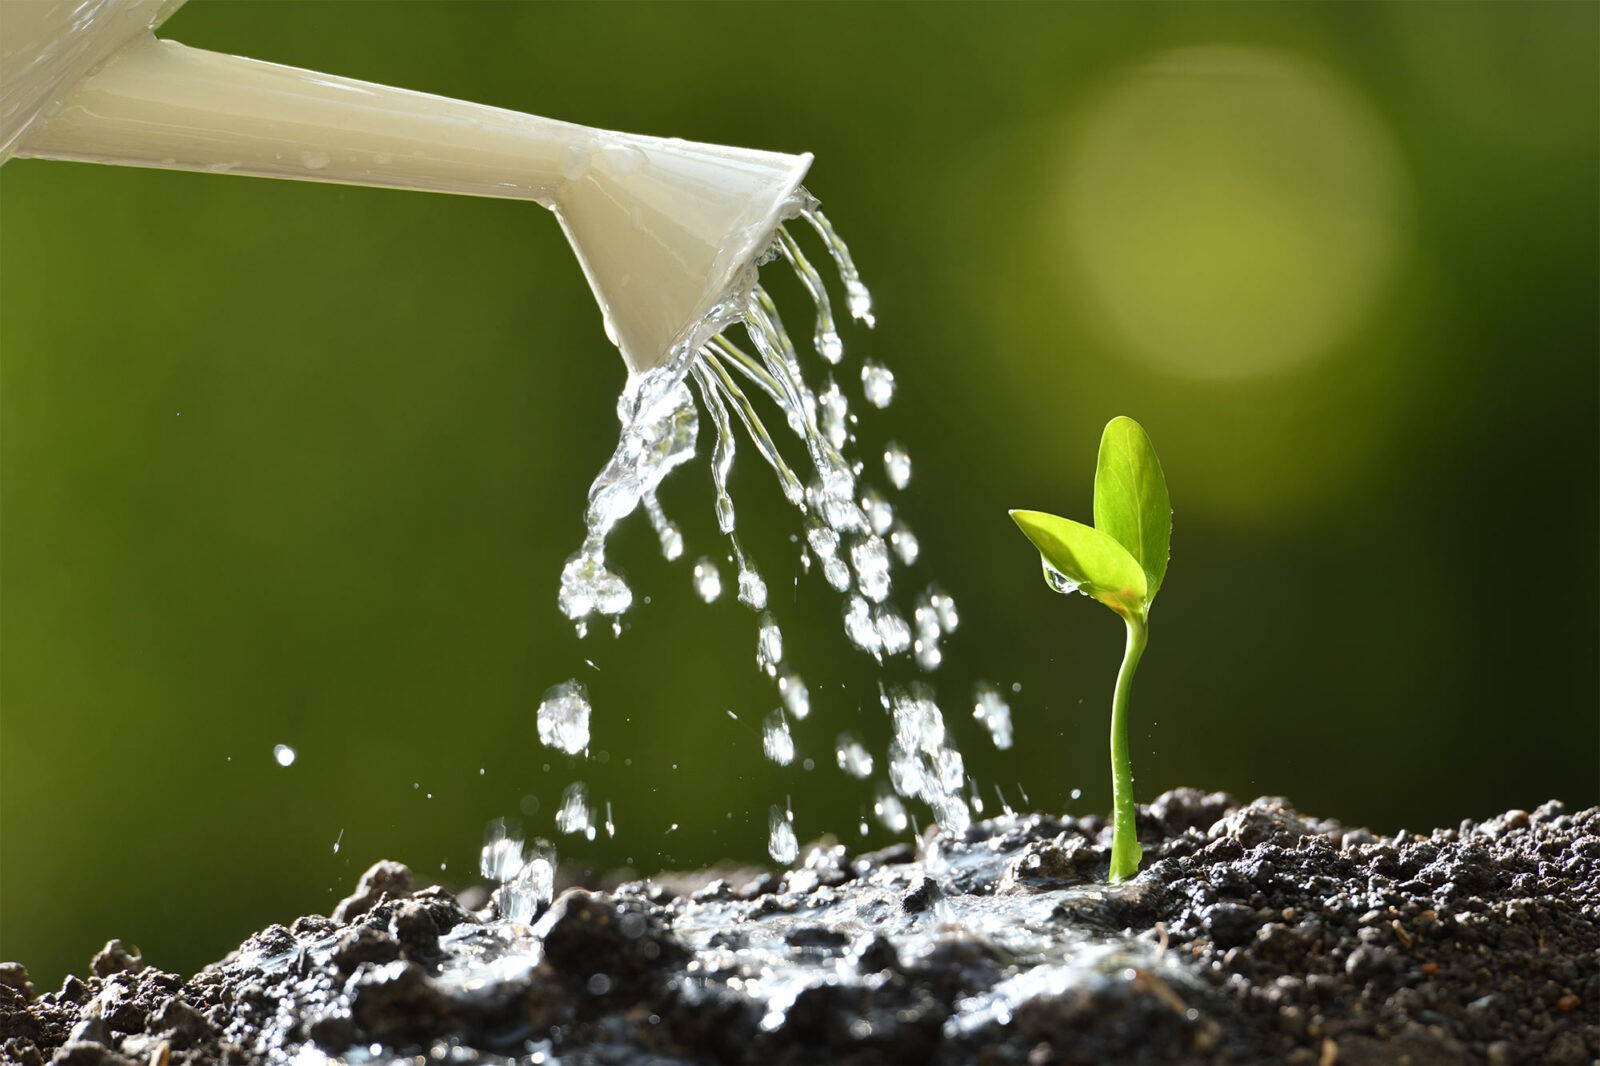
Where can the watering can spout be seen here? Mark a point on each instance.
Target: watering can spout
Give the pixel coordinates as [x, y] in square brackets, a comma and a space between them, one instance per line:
[663, 228]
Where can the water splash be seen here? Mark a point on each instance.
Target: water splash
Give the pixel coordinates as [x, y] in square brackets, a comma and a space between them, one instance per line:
[922, 763]
[525, 873]
[501, 857]
[533, 885]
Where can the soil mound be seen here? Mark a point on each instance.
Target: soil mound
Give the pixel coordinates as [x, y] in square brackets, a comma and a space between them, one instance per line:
[1253, 934]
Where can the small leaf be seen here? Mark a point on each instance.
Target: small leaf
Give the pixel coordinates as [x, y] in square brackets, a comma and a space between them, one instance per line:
[1130, 499]
[1097, 564]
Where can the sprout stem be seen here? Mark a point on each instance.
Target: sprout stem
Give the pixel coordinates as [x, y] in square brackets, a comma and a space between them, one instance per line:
[1125, 850]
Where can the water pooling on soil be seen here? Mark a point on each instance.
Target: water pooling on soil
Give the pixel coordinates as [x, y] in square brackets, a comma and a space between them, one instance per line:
[852, 534]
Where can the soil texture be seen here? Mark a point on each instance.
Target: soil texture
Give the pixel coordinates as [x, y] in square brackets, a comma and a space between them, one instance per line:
[1253, 933]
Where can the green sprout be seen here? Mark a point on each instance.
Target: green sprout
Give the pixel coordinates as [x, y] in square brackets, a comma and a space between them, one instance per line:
[1120, 561]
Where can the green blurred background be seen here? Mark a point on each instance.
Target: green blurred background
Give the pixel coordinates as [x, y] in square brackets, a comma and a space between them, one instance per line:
[289, 463]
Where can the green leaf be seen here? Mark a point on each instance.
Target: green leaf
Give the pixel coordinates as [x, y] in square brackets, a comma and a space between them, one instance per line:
[1097, 564]
[1130, 499]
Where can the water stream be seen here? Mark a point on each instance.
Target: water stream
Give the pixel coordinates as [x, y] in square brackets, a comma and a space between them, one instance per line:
[851, 531]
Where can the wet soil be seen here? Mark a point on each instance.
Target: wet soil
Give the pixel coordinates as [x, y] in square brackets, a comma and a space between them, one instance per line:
[1252, 934]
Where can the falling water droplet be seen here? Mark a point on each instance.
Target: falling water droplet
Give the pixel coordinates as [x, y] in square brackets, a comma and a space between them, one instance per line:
[922, 763]
[769, 645]
[532, 886]
[877, 383]
[890, 812]
[852, 756]
[667, 531]
[879, 511]
[575, 815]
[781, 842]
[501, 857]
[796, 697]
[707, 579]
[587, 587]
[752, 590]
[833, 414]
[837, 573]
[904, 542]
[671, 541]
[871, 560]
[945, 605]
[776, 740]
[897, 465]
[859, 626]
[563, 717]
[991, 708]
[893, 632]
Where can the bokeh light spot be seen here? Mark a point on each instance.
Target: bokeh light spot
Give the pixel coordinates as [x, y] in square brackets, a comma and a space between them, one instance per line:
[1230, 211]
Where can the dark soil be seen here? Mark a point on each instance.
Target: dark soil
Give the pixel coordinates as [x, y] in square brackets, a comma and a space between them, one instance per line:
[1253, 934]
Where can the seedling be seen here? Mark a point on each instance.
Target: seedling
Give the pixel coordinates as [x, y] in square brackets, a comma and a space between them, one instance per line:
[1121, 561]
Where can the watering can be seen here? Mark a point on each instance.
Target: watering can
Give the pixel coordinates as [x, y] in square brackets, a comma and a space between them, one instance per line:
[663, 228]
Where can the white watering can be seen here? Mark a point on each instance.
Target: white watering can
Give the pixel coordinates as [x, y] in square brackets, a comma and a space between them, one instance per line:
[662, 227]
